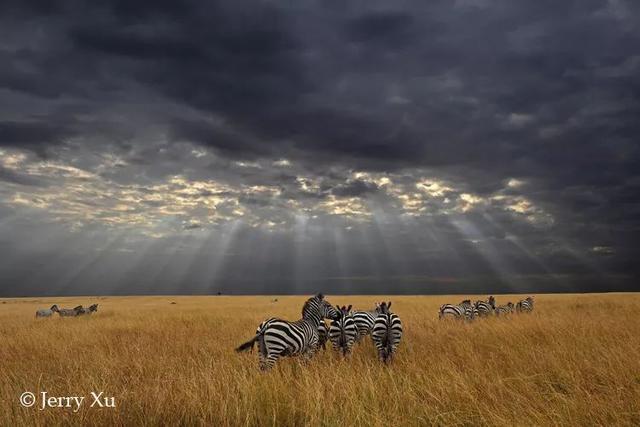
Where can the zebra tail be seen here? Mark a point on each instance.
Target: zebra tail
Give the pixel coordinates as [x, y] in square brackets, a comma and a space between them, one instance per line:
[261, 345]
[249, 344]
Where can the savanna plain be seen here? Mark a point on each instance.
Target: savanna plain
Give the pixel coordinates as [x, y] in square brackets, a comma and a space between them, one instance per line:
[573, 361]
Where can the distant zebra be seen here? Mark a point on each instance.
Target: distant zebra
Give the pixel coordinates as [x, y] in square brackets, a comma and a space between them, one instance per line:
[485, 308]
[525, 305]
[69, 312]
[504, 309]
[276, 337]
[387, 332]
[464, 310]
[364, 321]
[470, 312]
[47, 312]
[343, 331]
[91, 309]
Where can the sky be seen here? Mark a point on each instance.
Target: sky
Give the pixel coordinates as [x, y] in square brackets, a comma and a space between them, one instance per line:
[449, 146]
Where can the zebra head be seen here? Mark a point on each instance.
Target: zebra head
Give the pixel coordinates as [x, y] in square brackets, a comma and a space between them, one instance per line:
[93, 307]
[385, 307]
[492, 302]
[343, 311]
[317, 308]
[54, 307]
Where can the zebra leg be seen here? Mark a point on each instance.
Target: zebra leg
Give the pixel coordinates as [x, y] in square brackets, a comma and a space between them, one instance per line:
[308, 354]
[267, 362]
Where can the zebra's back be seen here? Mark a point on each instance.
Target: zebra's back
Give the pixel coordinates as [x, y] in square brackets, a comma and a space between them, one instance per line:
[503, 310]
[452, 311]
[483, 308]
[288, 338]
[387, 333]
[364, 322]
[343, 333]
[525, 305]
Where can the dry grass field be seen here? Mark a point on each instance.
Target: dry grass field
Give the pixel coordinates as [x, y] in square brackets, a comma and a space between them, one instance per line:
[574, 361]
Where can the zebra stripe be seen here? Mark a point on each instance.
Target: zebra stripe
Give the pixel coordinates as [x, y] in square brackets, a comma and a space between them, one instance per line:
[387, 332]
[323, 335]
[525, 305]
[486, 308]
[364, 322]
[343, 331]
[504, 309]
[464, 310]
[277, 337]
[452, 310]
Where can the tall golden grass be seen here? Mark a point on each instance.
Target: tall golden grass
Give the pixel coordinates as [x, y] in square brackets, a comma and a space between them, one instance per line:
[574, 361]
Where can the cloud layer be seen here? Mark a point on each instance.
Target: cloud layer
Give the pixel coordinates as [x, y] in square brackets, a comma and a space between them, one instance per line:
[261, 147]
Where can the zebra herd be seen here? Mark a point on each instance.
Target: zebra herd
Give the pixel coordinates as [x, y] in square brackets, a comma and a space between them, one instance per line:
[277, 337]
[66, 312]
[468, 311]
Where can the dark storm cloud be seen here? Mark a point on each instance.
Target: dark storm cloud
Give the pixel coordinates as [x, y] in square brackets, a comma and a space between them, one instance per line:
[264, 109]
[32, 134]
[354, 188]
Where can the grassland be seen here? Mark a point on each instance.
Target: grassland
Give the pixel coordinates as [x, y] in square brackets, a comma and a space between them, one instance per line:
[574, 361]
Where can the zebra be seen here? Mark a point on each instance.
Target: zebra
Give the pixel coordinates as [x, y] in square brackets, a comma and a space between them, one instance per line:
[470, 312]
[70, 312]
[485, 308]
[504, 309]
[525, 305]
[387, 332]
[323, 334]
[464, 310]
[343, 331]
[90, 310]
[47, 312]
[364, 321]
[277, 337]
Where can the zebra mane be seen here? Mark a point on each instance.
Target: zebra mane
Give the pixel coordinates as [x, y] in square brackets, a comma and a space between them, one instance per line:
[308, 302]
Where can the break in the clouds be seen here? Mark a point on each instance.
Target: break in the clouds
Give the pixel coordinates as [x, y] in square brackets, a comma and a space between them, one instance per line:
[378, 147]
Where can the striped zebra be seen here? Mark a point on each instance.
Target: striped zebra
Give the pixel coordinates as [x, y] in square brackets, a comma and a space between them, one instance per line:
[82, 311]
[387, 332]
[277, 337]
[47, 312]
[485, 308]
[525, 305]
[69, 312]
[343, 331]
[504, 309]
[364, 321]
[323, 335]
[464, 310]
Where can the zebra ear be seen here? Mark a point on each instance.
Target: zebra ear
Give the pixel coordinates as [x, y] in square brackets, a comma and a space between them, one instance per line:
[389, 305]
[349, 308]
